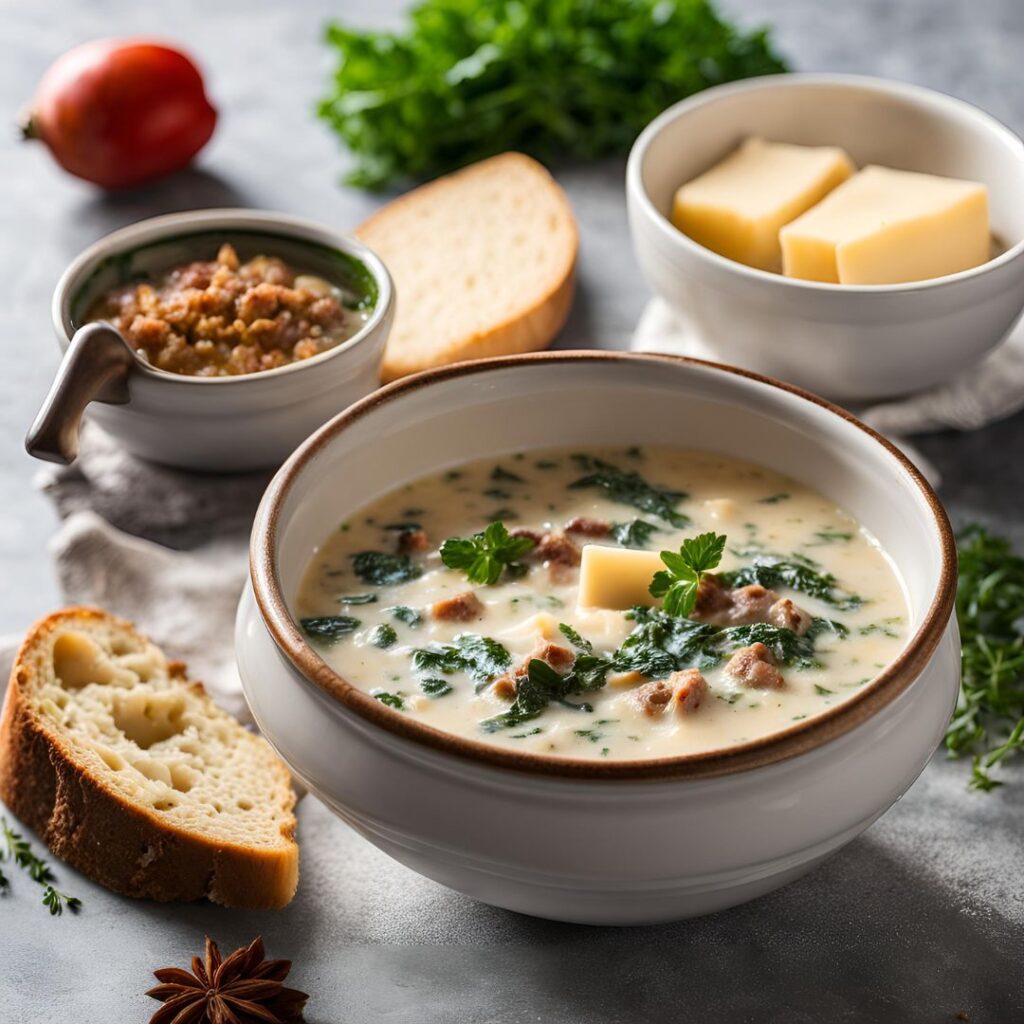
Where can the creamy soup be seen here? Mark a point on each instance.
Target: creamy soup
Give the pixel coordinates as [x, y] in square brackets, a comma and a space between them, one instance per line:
[801, 610]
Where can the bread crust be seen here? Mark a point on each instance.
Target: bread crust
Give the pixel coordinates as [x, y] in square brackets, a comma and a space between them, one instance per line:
[113, 841]
[530, 329]
[530, 332]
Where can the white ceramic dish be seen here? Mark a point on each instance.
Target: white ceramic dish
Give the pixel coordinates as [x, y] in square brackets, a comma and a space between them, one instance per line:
[598, 841]
[847, 342]
[227, 424]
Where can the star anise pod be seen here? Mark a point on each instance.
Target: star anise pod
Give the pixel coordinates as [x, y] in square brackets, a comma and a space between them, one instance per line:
[242, 989]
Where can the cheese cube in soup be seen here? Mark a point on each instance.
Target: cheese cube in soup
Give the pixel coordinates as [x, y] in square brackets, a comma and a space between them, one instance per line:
[885, 227]
[616, 577]
[737, 207]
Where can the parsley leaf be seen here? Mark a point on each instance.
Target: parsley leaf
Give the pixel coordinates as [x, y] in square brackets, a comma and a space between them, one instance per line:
[634, 534]
[630, 488]
[405, 614]
[383, 568]
[663, 643]
[392, 700]
[480, 657]
[832, 537]
[678, 582]
[484, 556]
[329, 629]
[541, 685]
[786, 646]
[433, 686]
[575, 639]
[659, 645]
[773, 571]
[383, 636]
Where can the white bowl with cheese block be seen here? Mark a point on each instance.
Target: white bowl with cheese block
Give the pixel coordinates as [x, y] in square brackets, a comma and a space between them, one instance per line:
[569, 833]
[858, 237]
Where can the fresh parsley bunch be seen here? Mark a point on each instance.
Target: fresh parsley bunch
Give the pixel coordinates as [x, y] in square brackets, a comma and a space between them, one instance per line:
[485, 556]
[468, 79]
[678, 582]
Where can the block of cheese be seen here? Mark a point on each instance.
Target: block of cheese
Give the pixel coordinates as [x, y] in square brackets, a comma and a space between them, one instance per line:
[737, 207]
[885, 227]
[616, 577]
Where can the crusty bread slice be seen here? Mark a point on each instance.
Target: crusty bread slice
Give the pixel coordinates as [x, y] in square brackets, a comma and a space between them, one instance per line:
[483, 263]
[135, 777]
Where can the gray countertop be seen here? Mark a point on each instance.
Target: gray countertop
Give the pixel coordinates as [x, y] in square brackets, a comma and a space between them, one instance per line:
[919, 919]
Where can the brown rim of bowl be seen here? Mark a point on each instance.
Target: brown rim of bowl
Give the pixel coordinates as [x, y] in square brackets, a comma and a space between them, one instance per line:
[778, 746]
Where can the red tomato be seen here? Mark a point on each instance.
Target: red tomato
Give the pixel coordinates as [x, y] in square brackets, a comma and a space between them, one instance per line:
[120, 112]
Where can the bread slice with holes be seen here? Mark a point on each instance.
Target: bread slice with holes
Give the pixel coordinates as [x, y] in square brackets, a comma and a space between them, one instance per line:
[131, 774]
[483, 263]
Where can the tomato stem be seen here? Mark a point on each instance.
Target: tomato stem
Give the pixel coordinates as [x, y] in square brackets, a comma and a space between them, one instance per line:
[26, 125]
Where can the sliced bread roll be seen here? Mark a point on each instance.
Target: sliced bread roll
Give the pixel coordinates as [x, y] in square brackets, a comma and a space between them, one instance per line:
[482, 261]
[132, 775]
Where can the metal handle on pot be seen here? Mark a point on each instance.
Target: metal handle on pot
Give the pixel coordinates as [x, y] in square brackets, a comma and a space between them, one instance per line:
[94, 368]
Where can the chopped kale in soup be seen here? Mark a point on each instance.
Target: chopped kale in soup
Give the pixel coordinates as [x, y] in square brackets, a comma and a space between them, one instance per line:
[742, 602]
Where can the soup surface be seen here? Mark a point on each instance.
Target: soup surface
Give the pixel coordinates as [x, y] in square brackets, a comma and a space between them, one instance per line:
[802, 609]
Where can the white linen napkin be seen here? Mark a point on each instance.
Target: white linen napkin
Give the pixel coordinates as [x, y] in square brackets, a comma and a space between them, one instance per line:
[990, 391]
[164, 548]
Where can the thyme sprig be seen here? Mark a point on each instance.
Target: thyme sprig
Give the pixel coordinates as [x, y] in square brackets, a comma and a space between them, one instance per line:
[989, 719]
[19, 850]
[56, 901]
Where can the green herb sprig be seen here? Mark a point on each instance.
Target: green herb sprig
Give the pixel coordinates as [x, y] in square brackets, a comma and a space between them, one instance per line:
[677, 583]
[989, 719]
[384, 568]
[470, 78]
[480, 657]
[663, 643]
[659, 645]
[634, 534]
[486, 555]
[328, 629]
[627, 487]
[541, 686]
[18, 849]
[391, 700]
[56, 901]
[797, 573]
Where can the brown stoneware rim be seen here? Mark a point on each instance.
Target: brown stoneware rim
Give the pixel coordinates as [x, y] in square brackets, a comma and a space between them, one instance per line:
[790, 742]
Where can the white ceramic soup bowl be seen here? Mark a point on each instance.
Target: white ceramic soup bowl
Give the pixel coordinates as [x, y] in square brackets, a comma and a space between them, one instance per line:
[227, 424]
[848, 342]
[596, 841]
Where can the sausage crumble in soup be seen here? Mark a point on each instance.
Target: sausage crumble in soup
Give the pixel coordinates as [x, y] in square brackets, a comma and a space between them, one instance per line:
[222, 317]
[456, 600]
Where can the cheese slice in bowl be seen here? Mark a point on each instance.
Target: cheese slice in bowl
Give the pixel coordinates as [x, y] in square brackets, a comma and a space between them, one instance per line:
[886, 227]
[737, 207]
